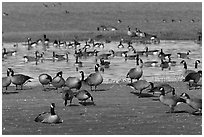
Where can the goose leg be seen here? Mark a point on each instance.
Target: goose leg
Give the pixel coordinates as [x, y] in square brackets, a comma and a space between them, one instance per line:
[171, 110]
[21, 87]
[16, 87]
[95, 88]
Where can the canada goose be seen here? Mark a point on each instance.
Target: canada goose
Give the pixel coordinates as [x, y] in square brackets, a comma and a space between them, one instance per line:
[195, 103]
[70, 45]
[183, 55]
[136, 72]
[59, 57]
[6, 53]
[67, 94]
[118, 53]
[77, 62]
[170, 101]
[94, 79]
[19, 79]
[130, 33]
[6, 81]
[165, 64]
[49, 117]
[46, 40]
[35, 58]
[55, 43]
[83, 95]
[74, 82]
[45, 79]
[120, 45]
[141, 85]
[196, 63]
[138, 52]
[98, 45]
[151, 63]
[151, 52]
[185, 71]
[31, 44]
[163, 55]
[86, 46]
[173, 63]
[104, 63]
[58, 81]
[193, 77]
[167, 88]
[130, 47]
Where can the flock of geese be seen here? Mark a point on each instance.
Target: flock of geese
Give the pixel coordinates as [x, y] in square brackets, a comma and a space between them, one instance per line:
[95, 79]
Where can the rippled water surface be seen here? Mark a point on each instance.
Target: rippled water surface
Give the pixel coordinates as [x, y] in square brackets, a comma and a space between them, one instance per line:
[118, 68]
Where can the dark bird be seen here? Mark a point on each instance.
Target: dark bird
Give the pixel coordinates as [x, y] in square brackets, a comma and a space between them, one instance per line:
[45, 79]
[49, 117]
[94, 79]
[58, 81]
[193, 78]
[170, 101]
[67, 94]
[195, 103]
[183, 55]
[19, 79]
[141, 85]
[136, 73]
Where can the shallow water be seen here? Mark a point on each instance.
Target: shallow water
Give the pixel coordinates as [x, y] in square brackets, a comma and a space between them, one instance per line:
[118, 68]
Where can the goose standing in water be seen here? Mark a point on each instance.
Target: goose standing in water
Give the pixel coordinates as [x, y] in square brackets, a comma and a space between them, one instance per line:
[19, 79]
[183, 55]
[49, 117]
[136, 73]
[94, 79]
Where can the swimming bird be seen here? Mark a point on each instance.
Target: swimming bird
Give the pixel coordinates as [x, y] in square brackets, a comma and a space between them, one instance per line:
[104, 63]
[58, 81]
[49, 117]
[19, 79]
[35, 58]
[94, 79]
[195, 103]
[59, 57]
[74, 82]
[136, 72]
[183, 55]
[67, 94]
[170, 101]
[45, 79]
[163, 55]
[186, 71]
[151, 63]
[98, 45]
[118, 53]
[6, 81]
[120, 45]
[83, 95]
[165, 64]
[141, 85]
[131, 33]
[6, 53]
[151, 52]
